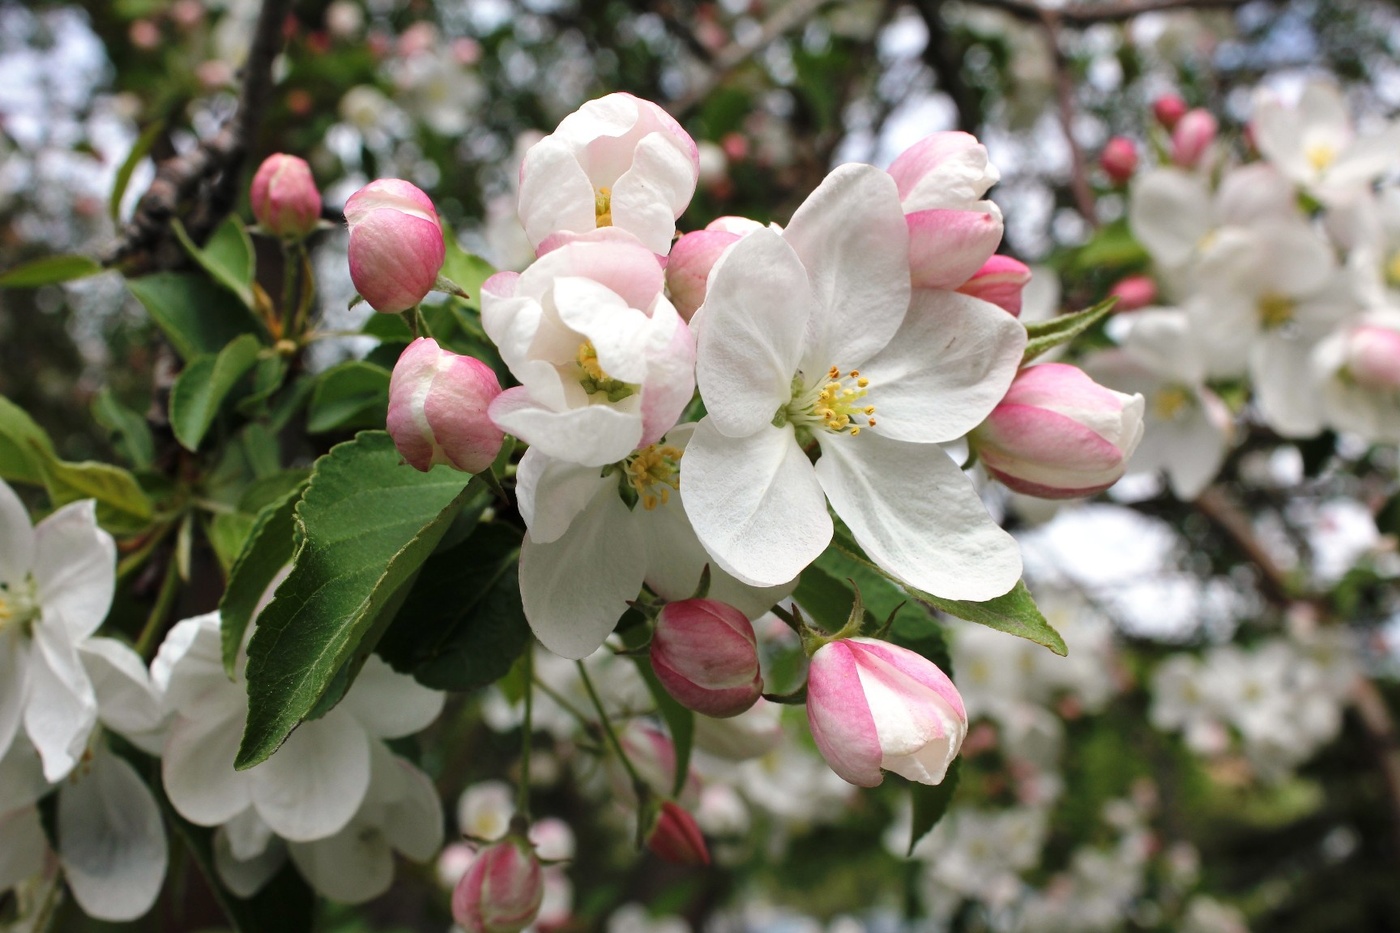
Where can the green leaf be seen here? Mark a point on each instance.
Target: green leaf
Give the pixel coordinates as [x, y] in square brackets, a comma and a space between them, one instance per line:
[1014, 613]
[466, 269]
[679, 720]
[23, 445]
[122, 506]
[1113, 247]
[349, 396]
[227, 533]
[931, 803]
[266, 550]
[50, 270]
[201, 388]
[462, 626]
[139, 150]
[369, 523]
[195, 314]
[227, 256]
[1046, 335]
[130, 434]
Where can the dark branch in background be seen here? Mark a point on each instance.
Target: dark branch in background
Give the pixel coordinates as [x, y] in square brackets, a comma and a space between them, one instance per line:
[201, 187]
[944, 58]
[1086, 14]
[1064, 94]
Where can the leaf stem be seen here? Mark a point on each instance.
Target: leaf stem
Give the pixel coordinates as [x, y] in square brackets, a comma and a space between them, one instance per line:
[527, 734]
[638, 784]
[164, 600]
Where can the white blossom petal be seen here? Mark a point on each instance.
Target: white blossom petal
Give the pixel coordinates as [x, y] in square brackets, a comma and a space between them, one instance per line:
[1169, 211]
[918, 516]
[245, 877]
[552, 492]
[412, 817]
[314, 783]
[21, 778]
[61, 709]
[127, 701]
[75, 567]
[353, 866]
[197, 769]
[755, 503]
[390, 705]
[14, 665]
[23, 846]
[649, 196]
[111, 840]
[555, 192]
[16, 538]
[594, 435]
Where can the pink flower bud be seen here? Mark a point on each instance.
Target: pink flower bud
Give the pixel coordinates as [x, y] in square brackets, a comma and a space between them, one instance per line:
[502, 891]
[1373, 357]
[676, 837]
[437, 408]
[1119, 159]
[396, 245]
[1058, 434]
[1000, 281]
[874, 705]
[1168, 109]
[284, 196]
[1194, 133]
[1134, 292]
[706, 656]
[688, 269]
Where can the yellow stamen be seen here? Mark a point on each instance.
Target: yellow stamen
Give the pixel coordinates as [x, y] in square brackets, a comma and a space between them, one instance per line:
[602, 206]
[1392, 271]
[834, 404]
[1170, 401]
[595, 379]
[1274, 310]
[1320, 156]
[653, 472]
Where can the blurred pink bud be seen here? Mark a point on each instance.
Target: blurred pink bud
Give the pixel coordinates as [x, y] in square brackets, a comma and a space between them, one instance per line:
[735, 145]
[677, 838]
[1000, 281]
[144, 34]
[653, 757]
[1373, 357]
[284, 196]
[502, 891]
[187, 13]
[1193, 134]
[1168, 109]
[437, 408]
[396, 245]
[874, 705]
[706, 656]
[1119, 159]
[688, 268]
[1133, 292]
[1058, 434]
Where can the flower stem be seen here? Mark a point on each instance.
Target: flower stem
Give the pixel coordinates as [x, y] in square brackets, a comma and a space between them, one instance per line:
[164, 600]
[522, 804]
[603, 720]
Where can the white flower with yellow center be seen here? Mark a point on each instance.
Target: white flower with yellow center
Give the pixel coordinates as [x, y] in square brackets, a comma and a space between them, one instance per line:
[811, 344]
[597, 536]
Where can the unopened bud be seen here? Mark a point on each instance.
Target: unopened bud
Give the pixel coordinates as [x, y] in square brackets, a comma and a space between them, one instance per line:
[1058, 434]
[688, 268]
[1373, 357]
[501, 891]
[396, 246]
[1168, 109]
[1134, 292]
[1193, 134]
[284, 196]
[676, 837]
[1001, 280]
[437, 408]
[1119, 159]
[706, 656]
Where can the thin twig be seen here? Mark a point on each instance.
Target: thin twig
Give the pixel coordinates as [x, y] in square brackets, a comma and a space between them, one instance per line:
[1064, 93]
[1086, 14]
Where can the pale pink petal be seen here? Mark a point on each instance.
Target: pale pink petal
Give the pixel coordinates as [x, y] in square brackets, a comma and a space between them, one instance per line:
[670, 381]
[654, 191]
[14, 662]
[946, 248]
[594, 435]
[840, 718]
[555, 192]
[551, 492]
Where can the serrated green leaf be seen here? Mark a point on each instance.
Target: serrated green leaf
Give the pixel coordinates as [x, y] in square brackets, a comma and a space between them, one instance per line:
[1014, 613]
[122, 506]
[227, 256]
[349, 396]
[369, 524]
[201, 388]
[139, 150]
[22, 445]
[51, 270]
[1047, 335]
[130, 434]
[266, 550]
[462, 626]
[196, 315]
[931, 803]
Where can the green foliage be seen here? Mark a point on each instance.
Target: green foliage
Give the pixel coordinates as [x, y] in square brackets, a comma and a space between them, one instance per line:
[1046, 335]
[122, 506]
[205, 383]
[195, 314]
[139, 150]
[23, 445]
[129, 432]
[349, 396]
[368, 523]
[227, 256]
[50, 270]
[267, 549]
[931, 803]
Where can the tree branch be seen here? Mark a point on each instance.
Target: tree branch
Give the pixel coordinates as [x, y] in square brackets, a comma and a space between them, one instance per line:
[945, 60]
[1086, 14]
[202, 184]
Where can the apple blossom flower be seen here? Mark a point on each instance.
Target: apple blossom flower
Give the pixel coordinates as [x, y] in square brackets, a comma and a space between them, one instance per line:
[873, 705]
[805, 337]
[502, 891]
[616, 161]
[1192, 136]
[676, 837]
[284, 196]
[1175, 214]
[1001, 280]
[706, 656]
[396, 248]
[1059, 435]
[952, 232]
[1119, 159]
[605, 362]
[437, 408]
[1358, 368]
[1316, 146]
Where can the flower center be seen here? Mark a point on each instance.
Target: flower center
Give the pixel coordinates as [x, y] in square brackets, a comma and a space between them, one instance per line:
[653, 472]
[602, 206]
[19, 605]
[1170, 401]
[1275, 310]
[1392, 271]
[595, 380]
[834, 404]
[1320, 156]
